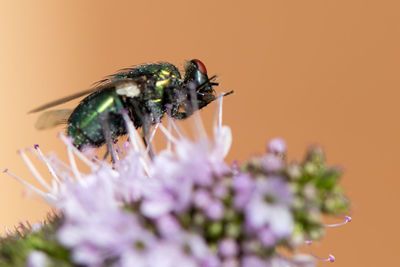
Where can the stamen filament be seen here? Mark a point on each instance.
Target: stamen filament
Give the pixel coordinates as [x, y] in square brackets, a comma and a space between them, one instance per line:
[33, 188]
[199, 126]
[169, 130]
[46, 161]
[77, 152]
[135, 141]
[347, 220]
[56, 164]
[176, 128]
[198, 123]
[168, 134]
[134, 137]
[33, 170]
[152, 137]
[330, 258]
[71, 158]
[218, 116]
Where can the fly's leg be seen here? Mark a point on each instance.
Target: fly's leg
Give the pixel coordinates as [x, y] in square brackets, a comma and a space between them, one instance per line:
[107, 136]
[181, 115]
[145, 135]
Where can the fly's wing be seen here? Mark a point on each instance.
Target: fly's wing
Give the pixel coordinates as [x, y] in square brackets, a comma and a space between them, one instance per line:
[52, 118]
[122, 74]
[63, 100]
[123, 87]
[104, 85]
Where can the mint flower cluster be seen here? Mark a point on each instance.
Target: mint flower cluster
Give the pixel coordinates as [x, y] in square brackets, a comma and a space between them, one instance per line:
[185, 206]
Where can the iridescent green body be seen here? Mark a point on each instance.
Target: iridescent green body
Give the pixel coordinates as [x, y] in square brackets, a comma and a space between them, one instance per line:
[84, 123]
[147, 92]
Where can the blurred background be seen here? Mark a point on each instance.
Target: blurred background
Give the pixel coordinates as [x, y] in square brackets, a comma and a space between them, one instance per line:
[310, 71]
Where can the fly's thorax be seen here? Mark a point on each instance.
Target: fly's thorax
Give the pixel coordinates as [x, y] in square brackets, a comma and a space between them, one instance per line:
[167, 80]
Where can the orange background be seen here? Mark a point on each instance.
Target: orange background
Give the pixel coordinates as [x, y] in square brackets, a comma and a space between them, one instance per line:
[323, 71]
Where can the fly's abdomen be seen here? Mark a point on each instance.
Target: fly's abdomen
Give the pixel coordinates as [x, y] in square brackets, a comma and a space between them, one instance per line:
[84, 124]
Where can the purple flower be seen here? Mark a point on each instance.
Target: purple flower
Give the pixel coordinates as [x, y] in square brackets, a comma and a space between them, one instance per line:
[133, 183]
[157, 204]
[272, 163]
[215, 210]
[95, 227]
[269, 206]
[167, 254]
[199, 250]
[267, 237]
[76, 202]
[182, 207]
[95, 239]
[277, 146]
[201, 198]
[37, 259]
[253, 261]
[168, 227]
[173, 180]
[132, 258]
[177, 175]
[303, 260]
[220, 190]
[232, 262]
[228, 248]
[243, 185]
[198, 162]
[211, 261]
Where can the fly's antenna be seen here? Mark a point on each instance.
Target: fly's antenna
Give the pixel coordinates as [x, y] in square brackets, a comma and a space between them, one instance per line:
[209, 81]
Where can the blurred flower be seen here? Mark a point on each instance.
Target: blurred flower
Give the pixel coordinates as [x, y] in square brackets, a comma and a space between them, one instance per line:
[37, 259]
[184, 206]
[268, 212]
[277, 146]
[95, 226]
[272, 163]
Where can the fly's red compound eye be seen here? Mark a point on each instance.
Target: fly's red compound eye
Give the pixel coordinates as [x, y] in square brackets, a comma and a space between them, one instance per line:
[200, 65]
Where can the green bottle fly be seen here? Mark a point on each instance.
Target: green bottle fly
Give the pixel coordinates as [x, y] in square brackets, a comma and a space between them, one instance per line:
[146, 92]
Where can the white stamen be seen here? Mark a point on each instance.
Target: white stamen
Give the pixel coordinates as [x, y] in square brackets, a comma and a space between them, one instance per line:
[347, 220]
[168, 134]
[116, 152]
[199, 126]
[169, 130]
[54, 186]
[330, 258]
[176, 128]
[218, 116]
[133, 134]
[46, 161]
[72, 161]
[220, 102]
[71, 158]
[151, 138]
[33, 170]
[136, 143]
[33, 188]
[80, 155]
[56, 164]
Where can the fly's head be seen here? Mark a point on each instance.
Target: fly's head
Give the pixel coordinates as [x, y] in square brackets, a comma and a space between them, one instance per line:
[198, 84]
